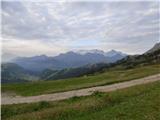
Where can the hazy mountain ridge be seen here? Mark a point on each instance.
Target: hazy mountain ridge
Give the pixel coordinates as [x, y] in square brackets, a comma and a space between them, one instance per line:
[37, 63]
[68, 60]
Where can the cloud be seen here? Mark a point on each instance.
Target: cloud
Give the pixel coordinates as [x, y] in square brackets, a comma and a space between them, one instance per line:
[36, 47]
[54, 27]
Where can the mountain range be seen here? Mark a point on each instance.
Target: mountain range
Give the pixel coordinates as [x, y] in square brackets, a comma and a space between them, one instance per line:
[130, 61]
[68, 60]
[12, 72]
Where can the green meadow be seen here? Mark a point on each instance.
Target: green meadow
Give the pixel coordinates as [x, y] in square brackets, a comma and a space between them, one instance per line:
[110, 76]
[135, 103]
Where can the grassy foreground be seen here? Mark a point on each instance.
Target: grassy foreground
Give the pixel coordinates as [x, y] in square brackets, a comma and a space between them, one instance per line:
[135, 103]
[108, 77]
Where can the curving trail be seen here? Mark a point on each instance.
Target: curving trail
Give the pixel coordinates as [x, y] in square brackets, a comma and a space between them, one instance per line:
[8, 99]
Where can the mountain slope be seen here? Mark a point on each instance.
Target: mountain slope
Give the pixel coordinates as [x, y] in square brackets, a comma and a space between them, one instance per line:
[152, 57]
[72, 72]
[11, 72]
[155, 48]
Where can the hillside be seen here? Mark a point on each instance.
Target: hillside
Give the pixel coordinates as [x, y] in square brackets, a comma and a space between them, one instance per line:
[154, 48]
[144, 59]
[12, 73]
[72, 72]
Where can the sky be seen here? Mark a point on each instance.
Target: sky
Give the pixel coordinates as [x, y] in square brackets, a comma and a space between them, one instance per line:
[35, 28]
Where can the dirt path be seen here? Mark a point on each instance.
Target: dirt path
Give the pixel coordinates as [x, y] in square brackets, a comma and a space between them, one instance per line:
[6, 99]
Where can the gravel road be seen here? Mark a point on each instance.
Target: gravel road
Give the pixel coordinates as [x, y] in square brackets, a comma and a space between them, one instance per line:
[9, 99]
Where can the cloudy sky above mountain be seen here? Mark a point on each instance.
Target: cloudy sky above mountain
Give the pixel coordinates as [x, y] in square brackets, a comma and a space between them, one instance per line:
[34, 28]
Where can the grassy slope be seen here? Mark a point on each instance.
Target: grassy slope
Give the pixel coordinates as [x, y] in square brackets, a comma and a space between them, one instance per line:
[135, 103]
[108, 77]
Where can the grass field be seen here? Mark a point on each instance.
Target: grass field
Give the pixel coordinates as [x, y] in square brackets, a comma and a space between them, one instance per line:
[135, 103]
[108, 77]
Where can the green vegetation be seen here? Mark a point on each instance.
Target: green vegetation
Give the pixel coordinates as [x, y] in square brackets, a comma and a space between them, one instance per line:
[12, 73]
[135, 103]
[112, 75]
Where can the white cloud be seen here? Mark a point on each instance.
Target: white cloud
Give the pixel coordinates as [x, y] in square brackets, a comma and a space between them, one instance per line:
[54, 27]
[30, 48]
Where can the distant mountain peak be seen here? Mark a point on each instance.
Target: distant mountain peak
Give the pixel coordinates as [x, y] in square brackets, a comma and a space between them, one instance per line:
[67, 53]
[112, 53]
